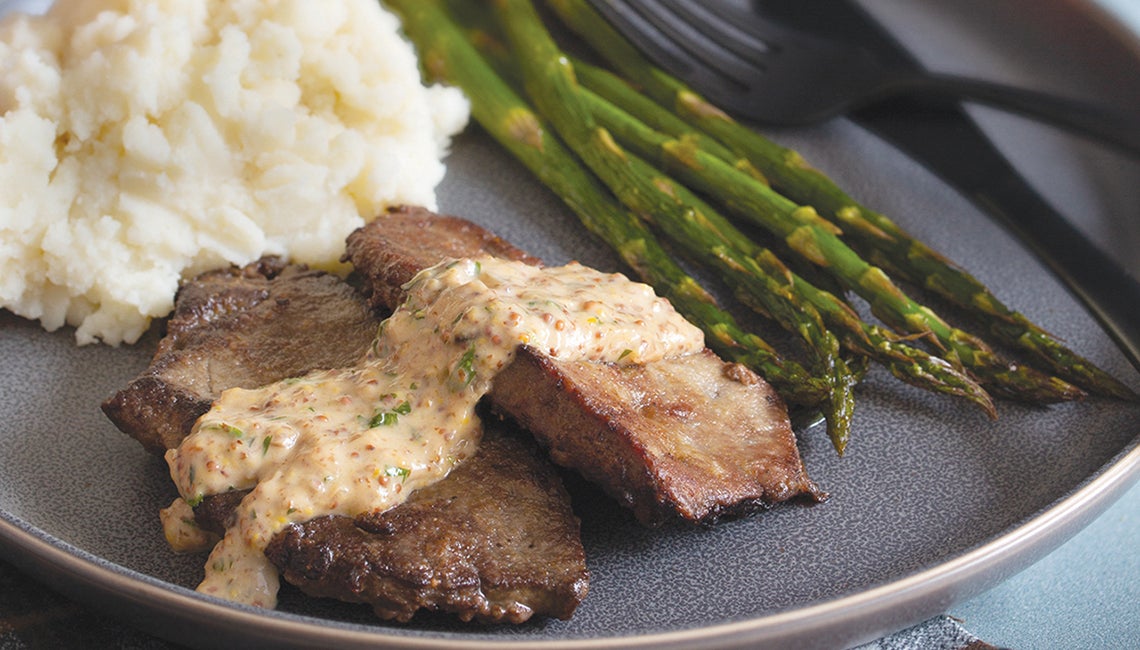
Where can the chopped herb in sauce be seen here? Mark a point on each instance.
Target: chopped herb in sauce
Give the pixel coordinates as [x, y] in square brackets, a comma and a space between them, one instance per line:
[400, 472]
[464, 372]
[229, 429]
[390, 417]
[383, 419]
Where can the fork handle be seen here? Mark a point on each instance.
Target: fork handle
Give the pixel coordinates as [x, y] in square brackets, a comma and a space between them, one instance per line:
[1116, 128]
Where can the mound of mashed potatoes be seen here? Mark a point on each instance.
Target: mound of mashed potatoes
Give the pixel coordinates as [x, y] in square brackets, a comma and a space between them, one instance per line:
[143, 141]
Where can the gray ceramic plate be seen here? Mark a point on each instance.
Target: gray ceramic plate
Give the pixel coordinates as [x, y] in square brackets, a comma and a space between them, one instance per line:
[932, 504]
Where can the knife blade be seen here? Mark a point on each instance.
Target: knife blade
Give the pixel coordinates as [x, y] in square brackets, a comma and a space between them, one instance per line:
[947, 141]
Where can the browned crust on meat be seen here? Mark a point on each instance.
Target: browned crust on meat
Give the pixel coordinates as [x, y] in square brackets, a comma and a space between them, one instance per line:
[690, 437]
[215, 513]
[406, 240]
[495, 541]
[240, 327]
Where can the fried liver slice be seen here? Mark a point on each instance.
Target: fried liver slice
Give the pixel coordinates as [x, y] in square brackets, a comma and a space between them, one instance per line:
[691, 438]
[407, 240]
[240, 327]
[502, 541]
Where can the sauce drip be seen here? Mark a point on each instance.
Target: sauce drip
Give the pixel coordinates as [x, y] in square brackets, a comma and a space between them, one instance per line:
[359, 439]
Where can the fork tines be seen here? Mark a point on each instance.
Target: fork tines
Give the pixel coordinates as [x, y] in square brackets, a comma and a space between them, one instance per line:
[707, 37]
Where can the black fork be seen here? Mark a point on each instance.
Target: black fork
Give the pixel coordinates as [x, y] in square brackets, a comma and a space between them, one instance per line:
[945, 139]
[775, 74]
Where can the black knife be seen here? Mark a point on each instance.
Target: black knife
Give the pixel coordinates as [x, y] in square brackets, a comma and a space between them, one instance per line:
[946, 140]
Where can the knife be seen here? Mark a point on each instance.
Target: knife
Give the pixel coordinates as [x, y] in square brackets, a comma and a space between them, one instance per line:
[947, 141]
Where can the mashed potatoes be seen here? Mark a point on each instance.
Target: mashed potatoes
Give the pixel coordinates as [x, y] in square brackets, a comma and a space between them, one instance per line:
[142, 141]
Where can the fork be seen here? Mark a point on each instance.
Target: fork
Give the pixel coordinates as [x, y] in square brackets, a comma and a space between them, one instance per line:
[776, 74]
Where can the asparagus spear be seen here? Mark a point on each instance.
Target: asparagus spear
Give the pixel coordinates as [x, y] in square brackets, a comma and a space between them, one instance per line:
[449, 57]
[882, 242]
[550, 83]
[876, 236]
[615, 90]
[910, 364]
[881, 239]
[841, 408]
[817, 240]
[486, 37]
[711, 238]
[907, 363]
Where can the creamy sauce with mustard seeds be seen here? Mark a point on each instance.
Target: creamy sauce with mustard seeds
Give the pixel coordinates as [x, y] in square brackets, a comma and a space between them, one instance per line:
[359, 439]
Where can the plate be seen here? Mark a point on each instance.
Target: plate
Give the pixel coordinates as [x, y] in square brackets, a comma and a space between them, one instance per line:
[932, 504]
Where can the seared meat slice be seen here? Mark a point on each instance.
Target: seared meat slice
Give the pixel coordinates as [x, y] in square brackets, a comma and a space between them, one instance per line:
[495, 540]
[689, 437]
[215, 512]
[501, 538]
[693, 437]
[243, 327]
[409, 240]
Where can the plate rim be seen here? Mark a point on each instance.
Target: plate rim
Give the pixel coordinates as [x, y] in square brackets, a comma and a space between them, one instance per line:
[134, 597]
[852, 619]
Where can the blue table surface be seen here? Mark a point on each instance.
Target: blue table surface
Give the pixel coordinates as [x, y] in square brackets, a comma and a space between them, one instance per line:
[1085, 594]
[1127, 10]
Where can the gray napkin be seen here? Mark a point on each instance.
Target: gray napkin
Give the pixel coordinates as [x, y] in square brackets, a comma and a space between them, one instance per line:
[938, 633]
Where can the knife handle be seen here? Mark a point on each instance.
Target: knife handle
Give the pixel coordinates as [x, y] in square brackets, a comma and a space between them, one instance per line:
[1118, 129]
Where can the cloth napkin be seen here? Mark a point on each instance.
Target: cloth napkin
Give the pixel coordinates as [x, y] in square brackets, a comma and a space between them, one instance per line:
[939, 633]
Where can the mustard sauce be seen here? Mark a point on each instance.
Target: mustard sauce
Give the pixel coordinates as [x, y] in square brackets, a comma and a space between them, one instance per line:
[359, 439]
